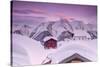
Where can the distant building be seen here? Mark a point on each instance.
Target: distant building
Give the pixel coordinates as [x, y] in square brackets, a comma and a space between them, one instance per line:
[51, 43]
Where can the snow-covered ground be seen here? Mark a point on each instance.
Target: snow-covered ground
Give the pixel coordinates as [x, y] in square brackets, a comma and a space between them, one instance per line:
[27, 51]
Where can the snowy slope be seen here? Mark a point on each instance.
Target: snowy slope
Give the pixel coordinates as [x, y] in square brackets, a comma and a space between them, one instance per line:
[60, 26]
[30, 47]
[55, 28]
[87, 49]
[27, 51]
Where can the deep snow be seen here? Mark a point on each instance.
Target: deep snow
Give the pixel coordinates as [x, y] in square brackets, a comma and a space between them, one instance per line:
[27, 51]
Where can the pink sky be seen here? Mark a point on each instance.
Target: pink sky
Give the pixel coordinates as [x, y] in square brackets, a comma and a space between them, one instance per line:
[53, 11]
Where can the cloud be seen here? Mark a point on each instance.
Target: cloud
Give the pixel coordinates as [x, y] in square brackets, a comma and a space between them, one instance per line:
[28, 11]
[61, 15]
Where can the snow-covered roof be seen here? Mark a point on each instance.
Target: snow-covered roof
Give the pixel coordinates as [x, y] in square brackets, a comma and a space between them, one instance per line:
[49, 37]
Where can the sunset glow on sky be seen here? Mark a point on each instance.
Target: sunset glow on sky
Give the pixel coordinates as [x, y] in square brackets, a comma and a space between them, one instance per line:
[29, 11]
